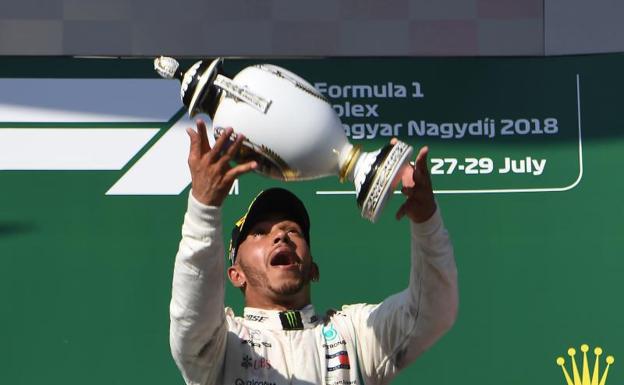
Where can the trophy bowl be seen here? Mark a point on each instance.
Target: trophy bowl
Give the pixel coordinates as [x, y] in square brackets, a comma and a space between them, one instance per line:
[290, 128]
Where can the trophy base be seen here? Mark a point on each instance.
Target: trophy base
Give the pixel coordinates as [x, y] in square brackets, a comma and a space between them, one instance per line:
[381, 179]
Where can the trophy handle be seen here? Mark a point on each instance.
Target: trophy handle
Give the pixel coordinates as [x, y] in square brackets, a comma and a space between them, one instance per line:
[242, 93]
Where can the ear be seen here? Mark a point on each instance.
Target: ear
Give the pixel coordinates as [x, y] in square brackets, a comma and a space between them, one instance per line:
[315, 274]
[236, 275]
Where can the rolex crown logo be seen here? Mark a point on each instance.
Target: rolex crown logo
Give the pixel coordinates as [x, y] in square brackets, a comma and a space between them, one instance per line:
[584, 377]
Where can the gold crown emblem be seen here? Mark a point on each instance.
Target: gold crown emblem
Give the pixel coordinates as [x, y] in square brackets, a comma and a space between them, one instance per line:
[584, 378]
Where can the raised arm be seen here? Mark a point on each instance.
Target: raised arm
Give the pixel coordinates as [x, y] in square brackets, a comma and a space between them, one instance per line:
[394, 333]
[198, 328]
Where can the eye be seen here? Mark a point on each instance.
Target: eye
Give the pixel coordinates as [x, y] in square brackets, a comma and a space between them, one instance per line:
[257, 232]
[294, 230]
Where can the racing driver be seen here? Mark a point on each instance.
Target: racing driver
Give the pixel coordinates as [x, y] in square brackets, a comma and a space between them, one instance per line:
[281, 339]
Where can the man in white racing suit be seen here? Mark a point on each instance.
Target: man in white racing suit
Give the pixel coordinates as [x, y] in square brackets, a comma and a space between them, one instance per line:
[281, 339]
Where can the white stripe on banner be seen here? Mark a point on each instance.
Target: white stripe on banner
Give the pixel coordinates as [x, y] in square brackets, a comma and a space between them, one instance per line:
[70, 148]
[88, 100]
[163, 169]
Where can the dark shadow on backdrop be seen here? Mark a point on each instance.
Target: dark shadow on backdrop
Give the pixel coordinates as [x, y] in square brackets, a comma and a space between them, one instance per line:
[8, 229]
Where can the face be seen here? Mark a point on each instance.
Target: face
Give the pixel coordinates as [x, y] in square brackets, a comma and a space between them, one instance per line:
[275, 258]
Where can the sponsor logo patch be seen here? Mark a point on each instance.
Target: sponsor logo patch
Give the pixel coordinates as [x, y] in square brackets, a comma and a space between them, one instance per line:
[255, 318]
[340, 358]
[291, 320]
[253, 381]
[257, 363]
[256, 344]
[329, 333]
[335, 344]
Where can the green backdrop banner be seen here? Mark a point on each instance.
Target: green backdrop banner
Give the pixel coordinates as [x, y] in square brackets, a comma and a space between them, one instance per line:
[525, 155]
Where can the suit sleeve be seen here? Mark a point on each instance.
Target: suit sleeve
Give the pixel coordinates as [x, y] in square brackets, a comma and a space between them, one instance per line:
[392, 334]
[198, 327]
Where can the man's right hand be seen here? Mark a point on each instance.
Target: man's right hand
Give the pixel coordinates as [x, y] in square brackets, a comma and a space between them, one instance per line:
[211, 174]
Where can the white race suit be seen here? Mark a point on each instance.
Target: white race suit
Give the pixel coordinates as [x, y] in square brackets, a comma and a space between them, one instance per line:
[363, 344]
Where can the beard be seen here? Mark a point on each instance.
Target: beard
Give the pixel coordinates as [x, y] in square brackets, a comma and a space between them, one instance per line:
[286, 287]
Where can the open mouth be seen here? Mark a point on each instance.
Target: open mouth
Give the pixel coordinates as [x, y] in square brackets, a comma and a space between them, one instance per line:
[284, 258]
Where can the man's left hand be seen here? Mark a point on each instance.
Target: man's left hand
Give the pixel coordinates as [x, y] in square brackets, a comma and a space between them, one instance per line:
[420, 204]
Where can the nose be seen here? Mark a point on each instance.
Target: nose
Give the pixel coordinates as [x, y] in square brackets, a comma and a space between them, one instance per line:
[280, 236]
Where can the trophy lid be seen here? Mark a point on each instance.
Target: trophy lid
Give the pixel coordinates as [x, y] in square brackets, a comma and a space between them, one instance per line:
[167, 67]
[197, 91]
